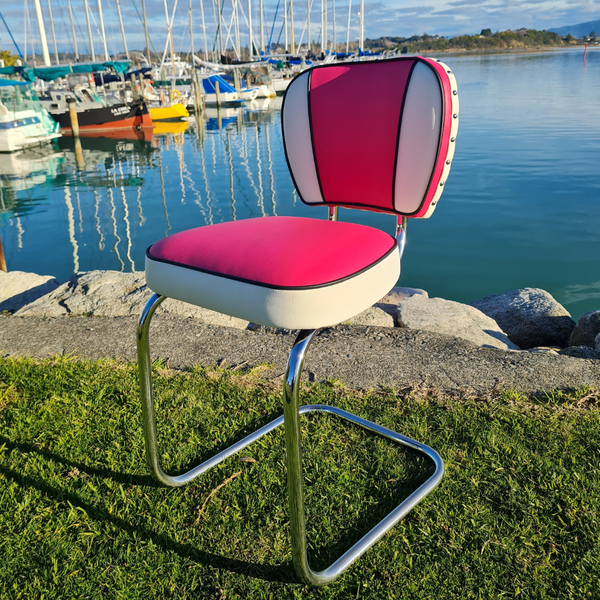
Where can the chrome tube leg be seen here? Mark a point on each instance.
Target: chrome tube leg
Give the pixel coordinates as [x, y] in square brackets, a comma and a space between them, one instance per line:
[291, 415]
[145, 374]
[291, 421]
[149, 416]
[292, 412]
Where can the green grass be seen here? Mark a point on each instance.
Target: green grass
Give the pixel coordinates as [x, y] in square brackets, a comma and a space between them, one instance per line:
[516, 513]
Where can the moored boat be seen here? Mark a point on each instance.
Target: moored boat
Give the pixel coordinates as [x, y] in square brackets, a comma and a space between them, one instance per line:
[93, 115]
[23, 120]
[228, 95]
[172, 112]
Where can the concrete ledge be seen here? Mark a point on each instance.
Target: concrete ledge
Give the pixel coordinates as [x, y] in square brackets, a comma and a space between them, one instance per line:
[361, 357]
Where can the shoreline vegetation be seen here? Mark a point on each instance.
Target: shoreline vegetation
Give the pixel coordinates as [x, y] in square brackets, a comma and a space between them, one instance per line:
[486, 41]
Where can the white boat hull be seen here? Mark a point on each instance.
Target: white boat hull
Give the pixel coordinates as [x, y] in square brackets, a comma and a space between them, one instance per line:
[280, 85]
[224, 98]
[23, 129]
[266, 91]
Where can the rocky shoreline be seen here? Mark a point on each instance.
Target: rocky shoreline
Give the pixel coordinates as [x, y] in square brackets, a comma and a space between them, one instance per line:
[526, 319]
[407, 340]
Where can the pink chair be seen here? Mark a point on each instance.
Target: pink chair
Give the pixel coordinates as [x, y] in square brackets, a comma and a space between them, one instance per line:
[369, 135]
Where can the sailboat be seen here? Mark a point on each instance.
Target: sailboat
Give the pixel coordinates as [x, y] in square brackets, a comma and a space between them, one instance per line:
[23, 120]
[94, 115]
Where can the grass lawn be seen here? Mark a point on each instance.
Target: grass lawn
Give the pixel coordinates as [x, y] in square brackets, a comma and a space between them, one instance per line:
[516, 513]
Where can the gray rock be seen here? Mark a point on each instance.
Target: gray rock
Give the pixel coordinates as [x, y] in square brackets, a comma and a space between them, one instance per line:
[543, 350]
[452, 318]
[597, 340]
[586, 330]
[114, 294]
[530, 317]
[389, 303]
[18, 288]
[580, 352]
[372, 316]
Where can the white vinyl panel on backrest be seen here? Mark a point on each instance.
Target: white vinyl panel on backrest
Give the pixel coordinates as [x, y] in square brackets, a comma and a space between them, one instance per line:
[298, 142]
[419, 138]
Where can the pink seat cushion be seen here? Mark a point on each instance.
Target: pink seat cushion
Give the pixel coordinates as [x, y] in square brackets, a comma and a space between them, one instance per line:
[278, 252]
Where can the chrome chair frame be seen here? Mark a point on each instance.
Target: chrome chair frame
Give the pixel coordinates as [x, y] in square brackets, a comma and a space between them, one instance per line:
[291, 422]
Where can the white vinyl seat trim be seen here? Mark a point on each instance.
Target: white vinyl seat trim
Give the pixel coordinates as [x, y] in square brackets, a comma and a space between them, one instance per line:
[298, 142]
[308, 308]
[419, 138]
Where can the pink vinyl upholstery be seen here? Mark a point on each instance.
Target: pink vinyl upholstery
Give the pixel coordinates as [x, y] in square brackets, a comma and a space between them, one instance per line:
[288, 272]
[375, 135]
[372, 135]
[280, 252]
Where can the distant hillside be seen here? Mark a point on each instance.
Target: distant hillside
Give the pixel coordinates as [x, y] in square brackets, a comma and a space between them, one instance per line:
[485, 41]
[579, 31]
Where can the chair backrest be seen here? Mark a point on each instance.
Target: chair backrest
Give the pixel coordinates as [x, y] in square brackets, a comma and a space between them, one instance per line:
[375, 135]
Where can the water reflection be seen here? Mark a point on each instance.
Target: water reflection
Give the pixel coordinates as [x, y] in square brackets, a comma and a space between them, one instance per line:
[24, 170]
[520, 209]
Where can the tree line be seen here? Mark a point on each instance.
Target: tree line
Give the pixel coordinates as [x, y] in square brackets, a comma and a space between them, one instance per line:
[486, 40]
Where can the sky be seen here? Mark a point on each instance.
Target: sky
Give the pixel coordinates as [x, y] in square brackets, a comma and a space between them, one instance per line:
[389, 18]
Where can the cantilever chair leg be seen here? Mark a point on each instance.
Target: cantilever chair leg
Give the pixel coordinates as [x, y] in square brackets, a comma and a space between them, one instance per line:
[149, 414]
[291, 421]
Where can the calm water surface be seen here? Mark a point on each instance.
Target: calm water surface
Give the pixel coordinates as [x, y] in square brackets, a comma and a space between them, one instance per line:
[521, 208]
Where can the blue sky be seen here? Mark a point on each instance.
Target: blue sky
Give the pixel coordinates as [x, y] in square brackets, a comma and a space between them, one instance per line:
[392, 17]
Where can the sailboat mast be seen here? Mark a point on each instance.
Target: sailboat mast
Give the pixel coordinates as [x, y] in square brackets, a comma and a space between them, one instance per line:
[292, 45]
[204, 30]
[192, 34]
[148, 58]
[222, 46]
[122, 28]
[53, 34]
[361, 25]
[333, 24]
[73, 31]
[215, 43]
[171, 40]
[325, 41]
[40, 20]
[308, 45]
[235, 8]
[262, 31]
[219, 26]
[250, 29]
[25, 24]
[89, 28]
[322, 48]
[102, 33]
[348, 30]
[285, 25]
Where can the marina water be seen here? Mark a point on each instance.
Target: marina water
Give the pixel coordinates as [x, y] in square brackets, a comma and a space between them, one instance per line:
[521, 208]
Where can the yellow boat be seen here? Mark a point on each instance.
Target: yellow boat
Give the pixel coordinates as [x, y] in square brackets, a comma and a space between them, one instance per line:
[173, 112]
